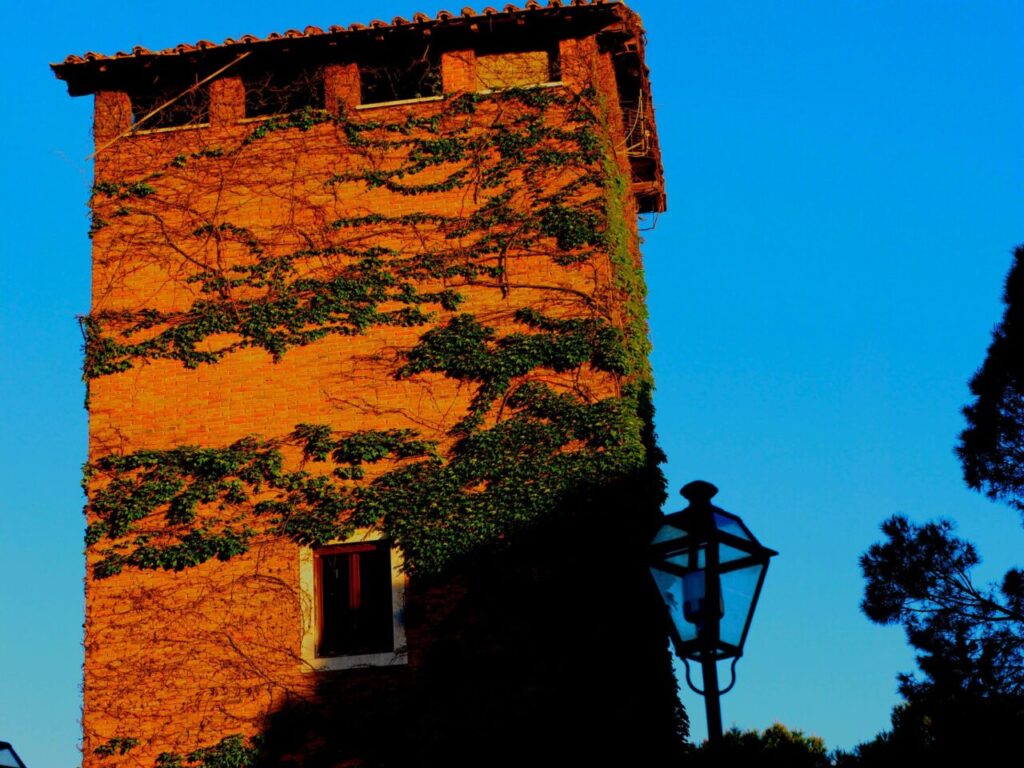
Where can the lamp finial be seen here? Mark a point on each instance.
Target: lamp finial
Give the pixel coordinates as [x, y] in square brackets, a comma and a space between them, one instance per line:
[699, 492]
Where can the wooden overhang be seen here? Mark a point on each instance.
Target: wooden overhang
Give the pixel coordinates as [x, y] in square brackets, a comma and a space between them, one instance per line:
[618, 30]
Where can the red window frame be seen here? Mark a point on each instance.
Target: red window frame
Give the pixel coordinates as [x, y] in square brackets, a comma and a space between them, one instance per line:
[376, 639]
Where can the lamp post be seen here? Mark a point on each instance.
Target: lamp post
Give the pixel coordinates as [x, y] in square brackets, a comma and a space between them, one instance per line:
[709, 569]
[8, 757]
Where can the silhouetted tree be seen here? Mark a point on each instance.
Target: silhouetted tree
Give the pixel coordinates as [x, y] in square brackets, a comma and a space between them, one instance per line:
[970, 638]
[992, 447]
[968, 699]
[775, 747]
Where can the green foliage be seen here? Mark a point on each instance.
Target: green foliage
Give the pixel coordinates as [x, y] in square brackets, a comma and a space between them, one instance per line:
[230, 752]
[506, 478]
[523, 448]
[96, 223]
[557, 441]
[303, 119]
[123, 189]
[193, 548]
[628, 274]
[294, 311]
[281, 301]
[775, 747]
[119, 745]
[181, 160]
[307, 507]
[465, 350]
[571, 227]
[549, 446]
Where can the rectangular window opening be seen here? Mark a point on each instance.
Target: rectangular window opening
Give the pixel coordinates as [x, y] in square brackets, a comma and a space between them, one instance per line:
[283, 90]
[190, 103]
[355, 613]
[515, 69]
[412, 77]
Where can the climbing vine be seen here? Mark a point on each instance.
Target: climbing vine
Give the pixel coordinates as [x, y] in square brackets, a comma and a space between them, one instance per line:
[277, 300]
[119, 745]
[493, 480]
[546, 366]
[543, 182]
[232, 751]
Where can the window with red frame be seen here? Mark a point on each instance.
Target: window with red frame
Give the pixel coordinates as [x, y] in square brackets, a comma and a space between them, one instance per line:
[354, 600]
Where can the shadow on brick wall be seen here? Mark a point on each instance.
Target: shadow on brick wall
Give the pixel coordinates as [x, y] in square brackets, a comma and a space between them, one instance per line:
[548, 649]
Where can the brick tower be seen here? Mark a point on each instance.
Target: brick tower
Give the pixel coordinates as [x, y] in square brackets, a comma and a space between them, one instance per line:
[371, 463]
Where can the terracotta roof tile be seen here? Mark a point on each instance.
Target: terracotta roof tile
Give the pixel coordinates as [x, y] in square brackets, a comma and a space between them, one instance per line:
[84, 73]
[418, 18]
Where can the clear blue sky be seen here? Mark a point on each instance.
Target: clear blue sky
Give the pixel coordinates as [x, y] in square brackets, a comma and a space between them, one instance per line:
[845, 184]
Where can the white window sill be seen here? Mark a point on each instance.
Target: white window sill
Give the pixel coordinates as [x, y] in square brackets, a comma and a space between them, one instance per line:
[260, 118]
[170, 128]
[531, 86]
[333, 663]
[307, 591]
[400, 102]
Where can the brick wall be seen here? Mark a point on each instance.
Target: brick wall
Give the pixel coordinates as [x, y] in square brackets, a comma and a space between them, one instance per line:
[182, 659]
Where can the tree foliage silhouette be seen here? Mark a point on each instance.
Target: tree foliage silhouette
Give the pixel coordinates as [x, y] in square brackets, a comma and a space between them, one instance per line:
[774, 747]
[992, 447]
[969, 695]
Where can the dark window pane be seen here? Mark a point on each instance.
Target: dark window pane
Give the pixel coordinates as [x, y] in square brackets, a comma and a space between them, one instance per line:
[191, 104]
[355, 600]
[512, 70]
[395, 80]
[285, 89]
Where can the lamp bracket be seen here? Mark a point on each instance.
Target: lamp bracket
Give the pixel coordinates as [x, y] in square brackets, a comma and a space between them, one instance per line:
[698, 691]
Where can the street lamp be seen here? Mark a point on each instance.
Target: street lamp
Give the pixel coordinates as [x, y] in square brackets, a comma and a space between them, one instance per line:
[709, 569]
[8, 757]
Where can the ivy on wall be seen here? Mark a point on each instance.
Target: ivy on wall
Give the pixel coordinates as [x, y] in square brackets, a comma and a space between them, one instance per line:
[230, 752]
[543, 182]
[494, 479]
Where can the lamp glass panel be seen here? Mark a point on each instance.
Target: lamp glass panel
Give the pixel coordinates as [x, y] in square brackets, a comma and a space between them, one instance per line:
[727, 554]
[7, 759]
[738, 589]
[735, 527]
[695, 607]
[689, 559]
[671, 588]
[693, 596]
[668, 533]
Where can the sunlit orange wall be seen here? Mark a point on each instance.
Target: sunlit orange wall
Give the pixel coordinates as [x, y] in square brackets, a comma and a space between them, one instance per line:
[179, 660]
